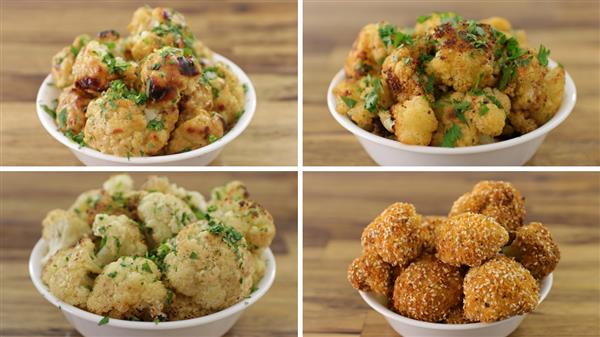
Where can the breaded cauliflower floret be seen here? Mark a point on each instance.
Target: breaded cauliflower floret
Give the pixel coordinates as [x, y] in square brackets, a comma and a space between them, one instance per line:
[120, 236]
[161, 184]
[212, 265]
[234, 190]
[62, 62]
[118, 183]
[146, 18]
[70, 111]
[85, 202]
[369, 272]
[62, 229]
[68, 273]
[367, 53]
[469, 239]
[457, 316]
[197, 132]
[197, 97]
[427, 230]
[535, 249]
[228, 92]
[129, 288]
[164, 215]
[118, 203]
[414, 121]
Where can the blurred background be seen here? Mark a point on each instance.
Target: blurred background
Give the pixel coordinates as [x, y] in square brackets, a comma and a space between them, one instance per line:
[337, 206]
[259, 36]
[25, 198]
[570, 29]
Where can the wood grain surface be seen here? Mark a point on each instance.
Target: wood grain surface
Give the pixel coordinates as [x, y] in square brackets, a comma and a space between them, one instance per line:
[27, 197]
[570, 29]
[259, 36]
[337, 206]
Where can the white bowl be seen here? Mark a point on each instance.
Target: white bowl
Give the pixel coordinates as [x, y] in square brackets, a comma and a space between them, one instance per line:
[86, 323]
[408, 327]
[199, 157]
[512, 152]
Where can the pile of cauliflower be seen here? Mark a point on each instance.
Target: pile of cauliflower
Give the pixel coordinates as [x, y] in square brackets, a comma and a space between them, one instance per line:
[161, 253]
[448, 82]
[155, 92]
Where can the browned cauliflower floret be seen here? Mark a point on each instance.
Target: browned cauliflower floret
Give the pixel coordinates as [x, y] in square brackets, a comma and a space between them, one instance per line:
[227, 92]
[368, 51]
[197, 97]
[370, 273]
[196, 132]
[118, 183]
[347, 95]
[527, 89]
[454, 130]
[427, 23]
[68, 273]
[164, 215]
[62, 62]
[211, 265]
[488, 111]
[195, 200]
[555, 88]
[70, 112]
[118, 203]
[235, 190]
[400, 70]
[146, 18]
[260, 266]
[129, 288]
[504, 26]
[120, 236]
[84, 202]
[414, 121]
[62, 229]
[184, 307]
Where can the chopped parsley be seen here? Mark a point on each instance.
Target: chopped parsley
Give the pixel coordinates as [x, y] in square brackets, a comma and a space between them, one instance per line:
[459, 109]
[180, 33]
[423, 18]
[393, 37]
[212, 139]
[102, 243]
[451, 136]
[115, 65]
[474, 34]
[372, 97]
[77, 138]
[169, 297]
[542, 55]
[104, 320]
[155, 125]
[194, 256]
[112, 275]
[119, 90]
[510, 57]
[62, 118]
[483, 110]
[146, 267]
[51, 112]
[228, 234]
[350, 103]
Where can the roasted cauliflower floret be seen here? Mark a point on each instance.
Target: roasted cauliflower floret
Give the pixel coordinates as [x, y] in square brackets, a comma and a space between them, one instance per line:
[504, 26]
[368, 51]
[118, 183]
[211, 265]
[260, 266]
[400, 70]
[197, 97]
[414, 121]
[62, 229]
[454, 130]
[119, 236]
[195, 200]
[62, 62]
[426, 24]
[184, 307]
[234, 190]
[196, 132]
[227, 91]
[84, 202]
[70, 111]
[488, 111]
[129, 288]
[347, 95]
[527, 88]
[164, 215]
[117, 203]
[68, 273]
[146, 18]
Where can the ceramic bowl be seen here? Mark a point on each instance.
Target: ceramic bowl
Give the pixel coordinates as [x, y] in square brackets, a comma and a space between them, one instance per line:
[213, 325]
[512, 152]
[199, 157]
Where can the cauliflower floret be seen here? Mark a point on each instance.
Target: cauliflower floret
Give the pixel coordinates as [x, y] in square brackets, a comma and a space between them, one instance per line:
[62, 229]
[347, 95]
[70, 111]
[414, 121]
[118, 203]
[426, 24]
[198, 96]
[68, 273]
[234, 190]
[527, 88]
[62, 62]
[118, 183]
[196, 132]
[193, 199]
[146, 18]
[164, 215]
[211, 265]
[367, 53]
[504, 26]
[400, 72]
[260, 266]
[184, 307]
[84, 202]
[488, 111]
[454, 130]
[228, 93]
[129, 288]
[120, 236]
[554, 87]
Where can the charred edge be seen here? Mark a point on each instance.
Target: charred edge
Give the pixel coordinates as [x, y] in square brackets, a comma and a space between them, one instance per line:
[187, 66]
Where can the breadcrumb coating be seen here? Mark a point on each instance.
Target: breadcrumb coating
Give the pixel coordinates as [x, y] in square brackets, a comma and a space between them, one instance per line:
[427, 231]
[535, 249]
[165, 215]
[62, 229]
[370, 273]
[119, 236]
[457, 316]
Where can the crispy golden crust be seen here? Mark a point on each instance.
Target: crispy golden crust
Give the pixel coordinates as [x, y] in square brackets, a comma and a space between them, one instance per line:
[498, 289]
[469, 239]
[196, 132]
[457, 316]
[427, 290]
[400, 72]
[414, 121]
[497, 199]
[427, 231]
[536, 249]
[70, 112]
[370, 273]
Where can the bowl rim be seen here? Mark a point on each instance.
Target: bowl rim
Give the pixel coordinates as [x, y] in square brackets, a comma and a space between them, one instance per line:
[35, 268]
[44, 96]
[565, 109]
[373, 302]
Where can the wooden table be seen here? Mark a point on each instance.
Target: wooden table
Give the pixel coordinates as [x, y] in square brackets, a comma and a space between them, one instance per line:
[259, 36]
[337, 206]
[26, 197]
[569, 28]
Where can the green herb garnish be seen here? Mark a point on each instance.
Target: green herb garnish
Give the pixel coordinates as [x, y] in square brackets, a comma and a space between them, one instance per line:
[350, 103]
[155, 125]
[483, 110]
[451, 136]
[542, 55]
[104, 320]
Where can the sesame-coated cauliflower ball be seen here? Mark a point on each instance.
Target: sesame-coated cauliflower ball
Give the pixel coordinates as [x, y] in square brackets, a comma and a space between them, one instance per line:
[469, 239]
[227, 91]
[85, 203]
[535, 249]
[68, 273]
[497, 199]
[62, 62]
[129, 288]
[164, 215]
[427, 290]
[196, 132]
[71, 108]
[498, 289]
[393, 234]
[414, 121]
[211, 264]
[457, 316]
[369, 272]
[427, 231]
[400, 72]
[120, 236]
[367, 53]
[195, 200]
[62, 229]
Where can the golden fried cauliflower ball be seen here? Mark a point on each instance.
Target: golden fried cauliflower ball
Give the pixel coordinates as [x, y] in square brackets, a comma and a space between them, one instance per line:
[117, 125]
[62, 62]
[62, 229]
[120, 236]
[498, 289]
[118, 183]
[400, 73]
[197, 132]
[227, 91]
[394, 234]
[195, 200]
[535, 249]
[414, 121]
[129, 288]
[68, 273]
[457, 316]
[84, 202]
[497, 199]
[211, 265]
[427, 290]
[164, 215]
[469, 239]
[95, 67]
[454, 129]
[464, 56]
[369, 272]
[70, 111]
[427, 231]
[367, 53]
[488, 111]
